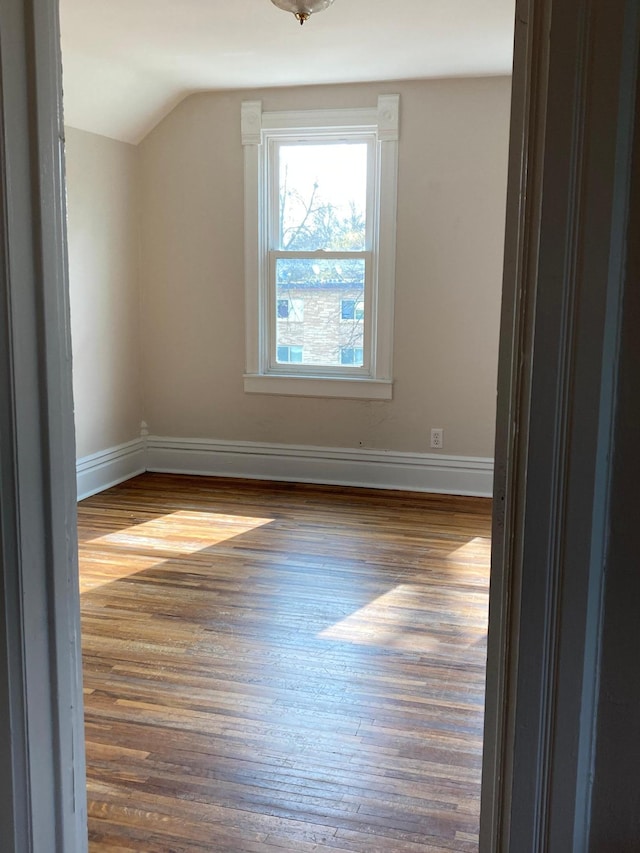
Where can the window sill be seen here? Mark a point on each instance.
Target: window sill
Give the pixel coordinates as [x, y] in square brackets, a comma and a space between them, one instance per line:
[319, 386]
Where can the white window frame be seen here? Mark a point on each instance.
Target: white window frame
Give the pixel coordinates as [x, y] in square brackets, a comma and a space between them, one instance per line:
[381, 124]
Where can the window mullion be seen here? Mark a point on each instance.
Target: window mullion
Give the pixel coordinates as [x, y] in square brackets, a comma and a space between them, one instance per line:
[321, 255]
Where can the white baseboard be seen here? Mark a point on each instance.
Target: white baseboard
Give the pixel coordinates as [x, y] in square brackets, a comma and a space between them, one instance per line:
[107, 468]
[379, 469]
[420, 472]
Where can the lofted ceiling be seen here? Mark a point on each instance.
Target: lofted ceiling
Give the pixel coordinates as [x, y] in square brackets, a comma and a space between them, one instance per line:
[127, 63]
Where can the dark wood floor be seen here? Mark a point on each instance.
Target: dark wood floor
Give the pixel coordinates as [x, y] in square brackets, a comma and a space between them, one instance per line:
[273, 667]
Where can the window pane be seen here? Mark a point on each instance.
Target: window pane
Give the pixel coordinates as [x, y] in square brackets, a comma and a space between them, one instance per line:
[290, 309]
[348, 309]
[352, 309]
[351, 355]
[283, 309]
[323, 197]
[316, 292]
[289, 354]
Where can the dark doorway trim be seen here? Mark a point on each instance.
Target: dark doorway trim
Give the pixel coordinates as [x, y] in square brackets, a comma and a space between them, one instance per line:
[43, 801]
[568, 214]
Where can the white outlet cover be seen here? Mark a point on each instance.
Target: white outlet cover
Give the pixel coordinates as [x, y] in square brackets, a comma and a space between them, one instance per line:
[437, 437]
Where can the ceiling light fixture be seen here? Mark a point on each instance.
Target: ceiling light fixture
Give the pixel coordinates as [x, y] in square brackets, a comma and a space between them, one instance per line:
[302, 9]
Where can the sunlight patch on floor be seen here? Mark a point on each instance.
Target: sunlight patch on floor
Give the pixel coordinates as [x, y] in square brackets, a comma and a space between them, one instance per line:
[145, 546]
[385, 621]
[389, 621]
[475, 551]
[98, 572]
[182, 532]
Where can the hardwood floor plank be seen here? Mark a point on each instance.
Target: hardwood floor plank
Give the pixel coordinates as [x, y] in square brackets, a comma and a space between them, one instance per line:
[278, 667]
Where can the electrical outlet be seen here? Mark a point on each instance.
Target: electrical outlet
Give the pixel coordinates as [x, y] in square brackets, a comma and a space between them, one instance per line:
[437, 438]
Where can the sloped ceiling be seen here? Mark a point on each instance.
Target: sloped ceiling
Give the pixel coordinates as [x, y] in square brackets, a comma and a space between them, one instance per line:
[127, 63]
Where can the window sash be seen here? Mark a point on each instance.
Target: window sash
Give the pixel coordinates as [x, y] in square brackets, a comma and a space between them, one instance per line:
[318, 137]
[275, 368]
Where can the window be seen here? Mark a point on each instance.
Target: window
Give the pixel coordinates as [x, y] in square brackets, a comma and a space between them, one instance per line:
[351, 355]
[320, 201]
[290, 309]
[289, 355]
[351, 309]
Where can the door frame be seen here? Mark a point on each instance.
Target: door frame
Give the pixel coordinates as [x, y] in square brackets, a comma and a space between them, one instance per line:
[573, 112]
[43, 785]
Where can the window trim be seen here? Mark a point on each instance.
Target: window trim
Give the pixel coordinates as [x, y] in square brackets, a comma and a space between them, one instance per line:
[258, 128]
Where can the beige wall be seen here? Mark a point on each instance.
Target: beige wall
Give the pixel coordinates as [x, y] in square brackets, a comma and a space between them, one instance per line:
[453, 155]
[452, 186]
[103, 222]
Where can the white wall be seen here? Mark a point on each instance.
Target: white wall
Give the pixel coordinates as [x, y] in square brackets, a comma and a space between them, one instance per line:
[103, 223]
[452, 187]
